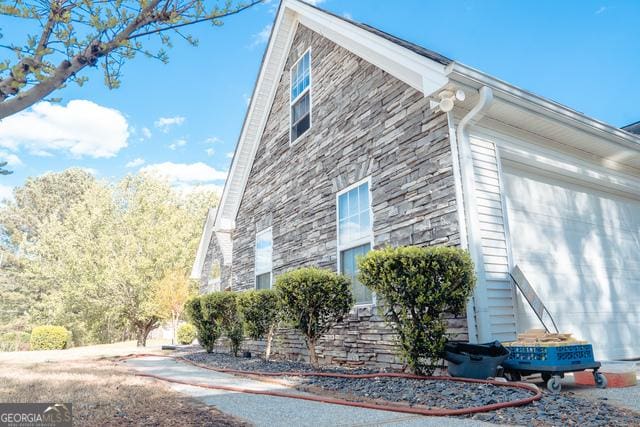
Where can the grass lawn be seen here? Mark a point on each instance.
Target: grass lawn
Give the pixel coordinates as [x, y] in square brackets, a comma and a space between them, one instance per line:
[103, 393]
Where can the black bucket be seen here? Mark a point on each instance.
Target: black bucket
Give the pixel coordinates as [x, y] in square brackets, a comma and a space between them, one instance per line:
[479, 361]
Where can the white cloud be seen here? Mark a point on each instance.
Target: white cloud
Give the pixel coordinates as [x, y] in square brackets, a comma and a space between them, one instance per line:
[185, 173]
[262, 37]
[11, 159]
[230, 155]
[247, 99]
[212, 140]
[166, 123]
[146, 133]
[600, 10]
[6, 192]
[178, 143]
[210, 152]
[135, 163]
[81, 128]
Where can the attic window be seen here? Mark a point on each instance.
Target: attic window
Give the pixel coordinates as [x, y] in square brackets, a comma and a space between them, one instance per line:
[301, 96]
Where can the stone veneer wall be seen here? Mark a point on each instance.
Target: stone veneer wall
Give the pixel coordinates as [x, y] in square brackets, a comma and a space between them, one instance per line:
[364, 123]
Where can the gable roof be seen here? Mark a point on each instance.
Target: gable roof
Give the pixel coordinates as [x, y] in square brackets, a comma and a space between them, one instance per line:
[420, 68]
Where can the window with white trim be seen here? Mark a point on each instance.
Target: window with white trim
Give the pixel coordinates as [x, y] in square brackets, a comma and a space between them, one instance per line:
[301, 96]
[264, 252]
[355, 235]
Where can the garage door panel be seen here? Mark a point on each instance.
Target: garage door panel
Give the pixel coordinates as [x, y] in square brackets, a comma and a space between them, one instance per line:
[579, 248]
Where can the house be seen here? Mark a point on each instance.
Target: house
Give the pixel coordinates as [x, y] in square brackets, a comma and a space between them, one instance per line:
[356, 139]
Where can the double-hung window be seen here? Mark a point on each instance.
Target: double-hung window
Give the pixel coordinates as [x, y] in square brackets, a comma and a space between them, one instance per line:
[301, 96]
[354, 235]
[264, 251]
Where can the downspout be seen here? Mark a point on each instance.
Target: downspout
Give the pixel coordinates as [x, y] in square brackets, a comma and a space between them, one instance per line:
[480, 297]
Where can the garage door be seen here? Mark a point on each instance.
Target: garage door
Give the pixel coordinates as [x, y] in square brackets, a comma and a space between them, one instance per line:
[580, 249]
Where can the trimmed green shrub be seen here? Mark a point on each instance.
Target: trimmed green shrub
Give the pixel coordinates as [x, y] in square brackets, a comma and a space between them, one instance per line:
[313, 300]
[260, 313]
[14, 341]
[49, 337]
[418, 285]
[186, 333]
[208, 329]
[215, 314]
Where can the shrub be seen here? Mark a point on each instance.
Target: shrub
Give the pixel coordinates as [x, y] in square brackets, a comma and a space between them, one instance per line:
[14, 341]
[49, 337]
[186, 333]
[418, 285]
[313, 300]
[260, 313]
[208, 329]
[214, 314]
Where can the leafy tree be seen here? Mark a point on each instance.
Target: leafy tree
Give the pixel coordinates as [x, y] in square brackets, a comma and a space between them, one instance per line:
[417, 286]
[214, 314]
[171, 294]
[69, 36]
[260, 312]
[313, 300]
[4, 171]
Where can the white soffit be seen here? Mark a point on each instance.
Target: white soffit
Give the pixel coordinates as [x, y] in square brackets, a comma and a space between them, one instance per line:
[416, 70]
[516, 110]
[203, 246]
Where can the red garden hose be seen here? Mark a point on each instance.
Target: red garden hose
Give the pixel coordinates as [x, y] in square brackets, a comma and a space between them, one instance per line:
[383, 407]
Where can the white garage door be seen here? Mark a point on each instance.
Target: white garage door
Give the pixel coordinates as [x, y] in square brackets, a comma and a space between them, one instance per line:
[580, 249]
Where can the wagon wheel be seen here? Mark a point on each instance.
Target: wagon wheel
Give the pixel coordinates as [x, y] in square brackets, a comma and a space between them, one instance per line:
[554, 385]
[600, 379]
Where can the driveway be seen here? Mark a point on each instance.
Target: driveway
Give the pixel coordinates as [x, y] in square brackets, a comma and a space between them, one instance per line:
[271, 411]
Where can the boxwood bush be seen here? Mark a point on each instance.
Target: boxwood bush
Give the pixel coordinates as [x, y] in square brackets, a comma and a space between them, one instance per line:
[215, 314]
[50, 337]
[260, 313]
[313, 300]
[417, 286]
[186, 333]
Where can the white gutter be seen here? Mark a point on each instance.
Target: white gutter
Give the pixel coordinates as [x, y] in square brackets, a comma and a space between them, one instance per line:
[480, 303]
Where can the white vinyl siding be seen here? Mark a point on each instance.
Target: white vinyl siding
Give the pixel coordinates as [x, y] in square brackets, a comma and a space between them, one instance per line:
[301, 96]
[264, 255]
[355, 235]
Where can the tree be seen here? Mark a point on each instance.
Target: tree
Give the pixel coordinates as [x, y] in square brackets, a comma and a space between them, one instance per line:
[73, 35]
[313, 300]
[260, 313]
[417, 286]
[4, 171]
[171, 294]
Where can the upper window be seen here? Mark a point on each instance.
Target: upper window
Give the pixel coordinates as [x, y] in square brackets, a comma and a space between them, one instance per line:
[264, 251]
[301, 96]
[354, 236]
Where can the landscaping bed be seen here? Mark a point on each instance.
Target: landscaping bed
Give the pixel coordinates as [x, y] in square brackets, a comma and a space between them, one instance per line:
[551, 410]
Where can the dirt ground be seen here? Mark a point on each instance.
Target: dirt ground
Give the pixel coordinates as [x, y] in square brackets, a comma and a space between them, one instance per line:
[105, 394]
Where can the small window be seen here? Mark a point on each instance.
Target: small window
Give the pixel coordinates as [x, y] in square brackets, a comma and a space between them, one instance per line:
[264, 251]
[354, 236]
[301, 96]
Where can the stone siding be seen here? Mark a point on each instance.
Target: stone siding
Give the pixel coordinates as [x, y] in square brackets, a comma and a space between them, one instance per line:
[365, 123]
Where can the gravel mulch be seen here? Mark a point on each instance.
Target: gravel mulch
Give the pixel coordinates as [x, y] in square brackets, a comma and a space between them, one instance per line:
[565, 409]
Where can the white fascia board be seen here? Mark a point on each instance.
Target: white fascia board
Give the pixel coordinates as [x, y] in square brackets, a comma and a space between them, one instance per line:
[423, 74]
[469, 76]
[203, 246]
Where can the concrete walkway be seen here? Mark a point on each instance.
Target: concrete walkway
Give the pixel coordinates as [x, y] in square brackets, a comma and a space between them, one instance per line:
[270, 411]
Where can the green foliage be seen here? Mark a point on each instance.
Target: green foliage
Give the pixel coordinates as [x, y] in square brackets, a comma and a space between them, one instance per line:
[186, 333]
[49, 337]
[208, 329]
[260, 313]
[102, 260]
[67, 37]
[15, 341]
[215, 314]
[418, 285]
[313, 300]
[259, 310]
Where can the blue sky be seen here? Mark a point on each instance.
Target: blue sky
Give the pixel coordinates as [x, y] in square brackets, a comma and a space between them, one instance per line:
[185, 117]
